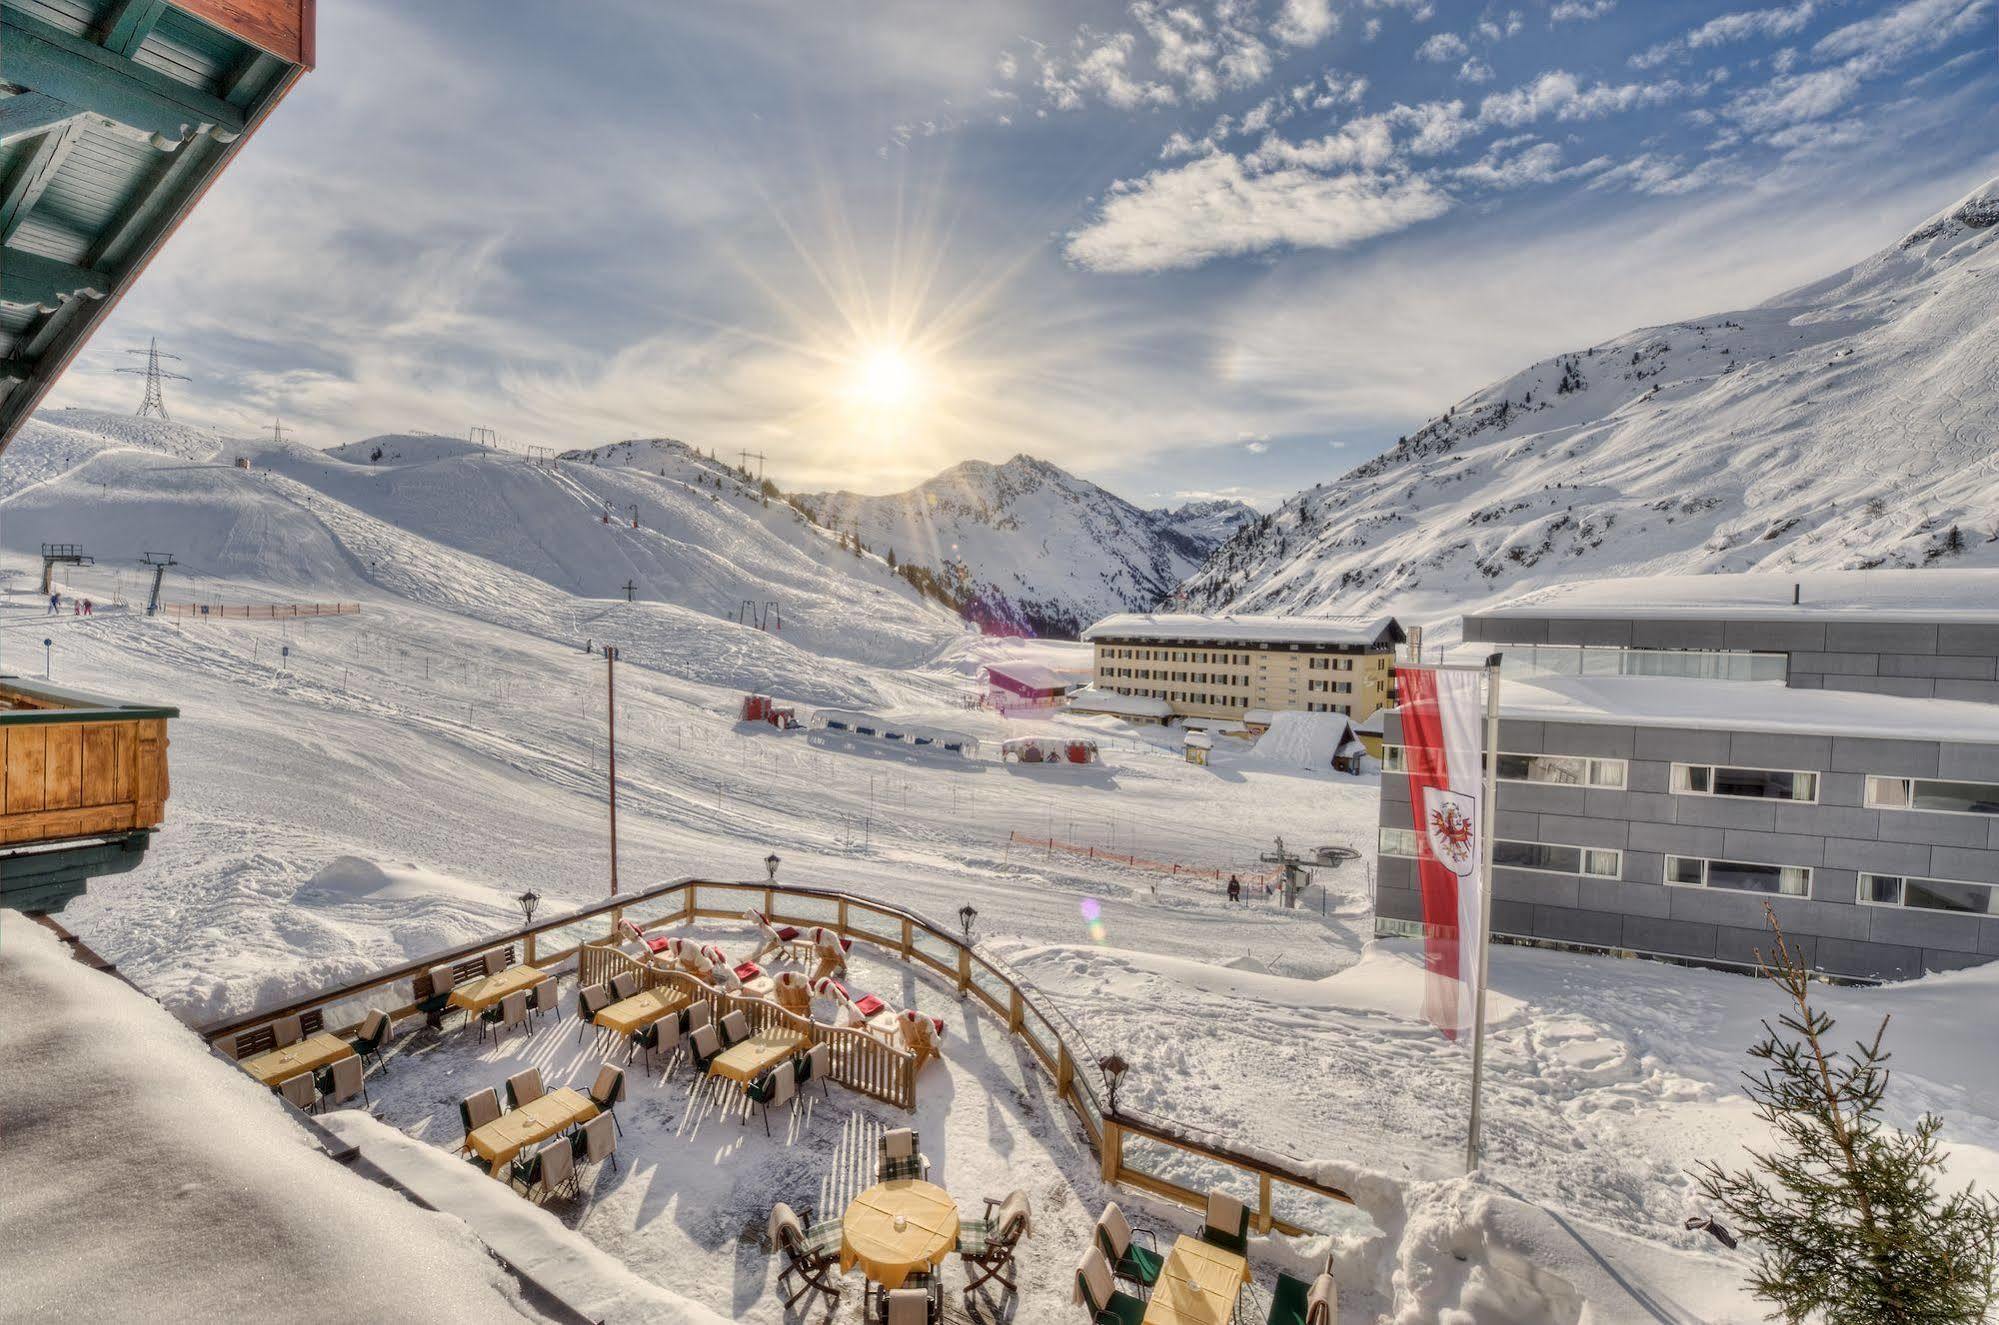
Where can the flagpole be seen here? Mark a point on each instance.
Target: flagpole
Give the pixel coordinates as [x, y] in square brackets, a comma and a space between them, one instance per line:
[1486, 829]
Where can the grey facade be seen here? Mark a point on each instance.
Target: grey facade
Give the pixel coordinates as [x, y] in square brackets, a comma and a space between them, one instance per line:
[1837, 836]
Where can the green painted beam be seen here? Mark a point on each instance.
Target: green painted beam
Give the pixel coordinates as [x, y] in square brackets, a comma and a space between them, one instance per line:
[31, 113]
[35, 281]
[34, 176]
[15, 370]
[179, 176]
[128, 26]
[79, 71]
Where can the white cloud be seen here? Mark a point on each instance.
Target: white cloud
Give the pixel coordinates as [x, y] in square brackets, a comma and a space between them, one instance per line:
[1443, 48]
[1216, 207]
[1726, 28]
[1103, 70]
[1538, 164]
[1474, 70]
[1794, 99]
[1579, 11]
[1304, 22]
[1562, 95]
[1666, 176]
[1499, 28]
[1880, 43]
[1256, 447]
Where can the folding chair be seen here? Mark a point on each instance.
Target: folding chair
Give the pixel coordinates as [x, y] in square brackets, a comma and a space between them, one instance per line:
[897, 1156]
[812, 1256]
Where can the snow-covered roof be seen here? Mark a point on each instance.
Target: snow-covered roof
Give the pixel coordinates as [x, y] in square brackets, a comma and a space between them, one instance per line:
[1371, 724]
[148, 1178]
[1261, 717]
[1092, 700]
[1305, 740]
[1657, 701]
[1965, 596]
[1250, 628]
[1034, 676]
[1199, 740]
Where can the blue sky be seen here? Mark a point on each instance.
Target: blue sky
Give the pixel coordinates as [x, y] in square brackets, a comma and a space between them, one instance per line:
[1211, 247]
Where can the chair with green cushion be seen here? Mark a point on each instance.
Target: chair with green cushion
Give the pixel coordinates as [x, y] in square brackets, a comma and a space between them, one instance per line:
[374, 1033]
[1299, 1303]
[476, 1110]
[1096, 1289]
[1227, 1224]
[1136, 1265]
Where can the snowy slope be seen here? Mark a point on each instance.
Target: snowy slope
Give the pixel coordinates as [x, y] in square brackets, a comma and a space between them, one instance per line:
[1032, 545]
[1848, 424]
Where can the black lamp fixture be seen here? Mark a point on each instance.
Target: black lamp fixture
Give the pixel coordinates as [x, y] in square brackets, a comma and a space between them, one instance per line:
[771, 862]
[527, 902]
[968, 915]
[1113, 1068]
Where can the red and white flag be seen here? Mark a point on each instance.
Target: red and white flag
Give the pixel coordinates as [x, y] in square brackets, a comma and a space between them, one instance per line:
[1441, 716]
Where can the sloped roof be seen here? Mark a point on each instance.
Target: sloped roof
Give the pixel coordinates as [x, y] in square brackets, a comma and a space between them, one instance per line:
[1254, 628]
[115, 117]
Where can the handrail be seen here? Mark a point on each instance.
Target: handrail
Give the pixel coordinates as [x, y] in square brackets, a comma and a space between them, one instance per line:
[889, 1076]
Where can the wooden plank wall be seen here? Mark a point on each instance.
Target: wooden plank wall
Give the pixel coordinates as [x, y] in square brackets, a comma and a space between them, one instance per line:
[77, 779]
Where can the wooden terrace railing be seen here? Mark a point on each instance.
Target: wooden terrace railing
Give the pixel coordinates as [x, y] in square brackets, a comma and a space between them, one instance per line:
[587, 941]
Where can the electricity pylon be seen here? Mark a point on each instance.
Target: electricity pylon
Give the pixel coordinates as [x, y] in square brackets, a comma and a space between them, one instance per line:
[154, 403]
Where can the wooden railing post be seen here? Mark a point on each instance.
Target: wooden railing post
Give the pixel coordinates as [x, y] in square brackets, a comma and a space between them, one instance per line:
[964, 970]
[1065, 1068]
[1015, 1013]
[908, 938]
[1113, 1151]
[1263, 1209]
[842, 917]
[527, 947]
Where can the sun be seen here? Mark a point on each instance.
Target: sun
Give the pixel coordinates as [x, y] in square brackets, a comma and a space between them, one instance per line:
[887, 378]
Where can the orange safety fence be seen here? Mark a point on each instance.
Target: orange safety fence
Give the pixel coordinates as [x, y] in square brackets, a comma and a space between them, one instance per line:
[1174, 868]
[255, 611]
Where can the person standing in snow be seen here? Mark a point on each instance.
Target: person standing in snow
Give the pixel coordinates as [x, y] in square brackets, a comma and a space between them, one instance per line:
[86, 607]
[55, 602]
[1235, 889]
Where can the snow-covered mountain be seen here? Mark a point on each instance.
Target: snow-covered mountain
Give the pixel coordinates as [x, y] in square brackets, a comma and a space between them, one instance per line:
[1028, 546]
[1851, 423]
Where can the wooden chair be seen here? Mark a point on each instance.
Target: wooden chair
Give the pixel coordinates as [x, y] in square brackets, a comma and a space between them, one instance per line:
[1136, 1265]
[1097, 1289]
[987, 1245]
[898, 1157]
[814, 1257]
[524, 1087]
[1227, 1224]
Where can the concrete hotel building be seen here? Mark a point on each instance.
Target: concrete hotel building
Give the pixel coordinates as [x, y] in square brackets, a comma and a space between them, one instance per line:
[1676, 752]
[1232, 667]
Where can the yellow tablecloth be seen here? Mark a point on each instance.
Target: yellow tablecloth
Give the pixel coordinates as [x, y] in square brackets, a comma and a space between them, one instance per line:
[1197, 1286]
[499, 1141]
[642, 1009]
[478, 995]
[309, 1054]
[886, 1254]
[764, 1050]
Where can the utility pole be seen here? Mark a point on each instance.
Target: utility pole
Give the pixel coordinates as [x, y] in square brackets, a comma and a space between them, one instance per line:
[1490, 816]
[630, 589]
[277, 432]
[154, 403]
[159, 561]
[611, 749]
[745, 466]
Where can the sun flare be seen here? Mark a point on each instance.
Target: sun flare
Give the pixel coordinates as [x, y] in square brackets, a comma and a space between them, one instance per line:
[888, 378]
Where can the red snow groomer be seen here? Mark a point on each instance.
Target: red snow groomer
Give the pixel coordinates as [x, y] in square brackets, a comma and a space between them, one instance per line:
[762, 708]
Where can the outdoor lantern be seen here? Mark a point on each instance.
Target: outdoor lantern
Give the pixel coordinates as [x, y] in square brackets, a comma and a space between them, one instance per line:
[771, 862]
[528, 901]
[968, 915]
[1113, 1068]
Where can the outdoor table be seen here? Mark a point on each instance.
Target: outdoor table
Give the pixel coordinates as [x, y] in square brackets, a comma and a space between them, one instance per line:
[308, 1055]
[500, 1141]
[749, 1060]
[642, 1009]
[478, 995]
[1198, 1285]
[888, 1255]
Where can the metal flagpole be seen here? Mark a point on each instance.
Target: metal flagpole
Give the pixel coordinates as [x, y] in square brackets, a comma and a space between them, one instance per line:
[611, 750]
[1489, 819]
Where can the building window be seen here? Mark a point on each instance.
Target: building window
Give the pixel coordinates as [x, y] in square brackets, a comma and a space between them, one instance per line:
[1398, 842]
[1562, 770]
[1929, 894]
[1555, 858]
[1739, 876]
[1601, 660]
[1933, 795]
[1750, 783]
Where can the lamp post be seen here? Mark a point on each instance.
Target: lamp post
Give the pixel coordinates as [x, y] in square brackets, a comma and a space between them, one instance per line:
[968, 915]
[771, 862]
[47, 645]
[1113, 1068]
[527, 902]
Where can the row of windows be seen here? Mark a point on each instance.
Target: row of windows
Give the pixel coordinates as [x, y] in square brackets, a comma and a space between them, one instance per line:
[1528, 660]
[1176, 655]
[1315, 707]
[1329, 664]
[1208, 698]
[1193, 678]
[1330, 687]
[1739, 876]
[1540, 857]
[1932, 794]
[1556, 770]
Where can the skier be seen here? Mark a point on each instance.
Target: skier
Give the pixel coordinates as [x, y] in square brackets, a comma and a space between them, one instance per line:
[87, 605]
[589, 646]
[1235, 889]
[55, 602]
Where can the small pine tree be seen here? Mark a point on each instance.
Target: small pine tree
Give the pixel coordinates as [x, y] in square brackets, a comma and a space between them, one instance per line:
[1845, 1211]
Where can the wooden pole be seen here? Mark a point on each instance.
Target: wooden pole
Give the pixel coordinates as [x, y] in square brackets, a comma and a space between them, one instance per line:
[611, 748]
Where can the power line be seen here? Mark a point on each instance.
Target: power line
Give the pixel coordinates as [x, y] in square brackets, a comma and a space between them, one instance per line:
[155, 403]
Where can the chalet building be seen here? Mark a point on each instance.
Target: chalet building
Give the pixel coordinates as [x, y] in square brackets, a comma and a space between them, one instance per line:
[1231, 666]
[1675, 755]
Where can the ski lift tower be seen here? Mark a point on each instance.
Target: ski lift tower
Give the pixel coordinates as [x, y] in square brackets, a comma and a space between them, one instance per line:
[159, 561]
[1295, 876]
[67, 554]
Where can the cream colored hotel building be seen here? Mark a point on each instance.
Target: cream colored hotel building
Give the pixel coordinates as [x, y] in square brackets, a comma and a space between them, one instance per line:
[1235, 666]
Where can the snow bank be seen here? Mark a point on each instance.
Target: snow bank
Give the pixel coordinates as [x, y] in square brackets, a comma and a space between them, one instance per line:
[560, 1260]
[145, 1178]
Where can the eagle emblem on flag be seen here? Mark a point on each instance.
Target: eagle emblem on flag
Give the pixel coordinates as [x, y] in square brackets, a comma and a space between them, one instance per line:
[1450, 821]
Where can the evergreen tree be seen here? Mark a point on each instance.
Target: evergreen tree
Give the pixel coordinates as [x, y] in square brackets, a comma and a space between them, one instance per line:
[1850, 1229]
